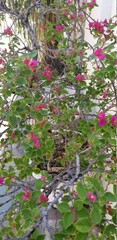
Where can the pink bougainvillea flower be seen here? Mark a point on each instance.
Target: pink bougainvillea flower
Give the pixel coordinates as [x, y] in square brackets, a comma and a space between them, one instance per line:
[43, 27]
[91, 196]
[59, 28]
[105, 95]
[100, 54]
[48, 73]
[73, 16]
[101, 119]
[57, 89]
[83, 3]
[1, 180]
[1, 61]
[43, 198]
[69, 1]
[37, 143]
[33, 63]
[55, 110]
[26, 195]
[40, 107]
[13, 135]
[43, 178]
[96, 25]
[80, 77]
[33, 136]
[26, 61]
[90, 5]
[114, 120]
[8, 31]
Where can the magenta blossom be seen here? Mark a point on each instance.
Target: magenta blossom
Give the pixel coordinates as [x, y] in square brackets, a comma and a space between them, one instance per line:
[101, 119]
[43, 198]
[83, 3]
[48, 73]
[90, 5]
[59, 28]
[27, 194]
[1, 180]
[91, 196]
[99, 53]
[114, 120]
[33, 136]
[105, 95]
[96, 25]
[26, 61]
[80, 77]
[40, 107]
[8, 31]
[33, 63]
[37, 143]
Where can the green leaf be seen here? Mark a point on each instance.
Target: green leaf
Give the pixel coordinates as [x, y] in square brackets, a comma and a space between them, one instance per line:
[35, 212]
[33, 54]
[59, 236]
[38, 184]
[19, 196]
[21, 81]
[68, 219]
[95, 215]
[81, 190]
[83, 225]
[26, 214]
[96, 184]
[63, 207]
[84, 212]
[81, 236]
[110, 229]
[78, 204]
[110, 197]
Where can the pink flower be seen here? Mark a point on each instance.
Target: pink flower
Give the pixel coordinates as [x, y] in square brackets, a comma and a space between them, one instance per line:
[43, 27]
[33, 63]
[57, 89]
[73, 16]
[91, 196]
[105, 95]
[1, 61]
[114, 120]
[101, 119]
[13, 135]
[75, 193]
[99, 53]
[80, 77]
[93, 1]
[96, 25]
[26, 61]
[69, 1]
[37, 143]
[1, 180]
[33, 136]
[48, 73]
[55, 110]
[83, 3]
[8, 31]
[40, 107]
[27, 194]
[43, 178]
[90, 5]
[59, 28]
[43, 198]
